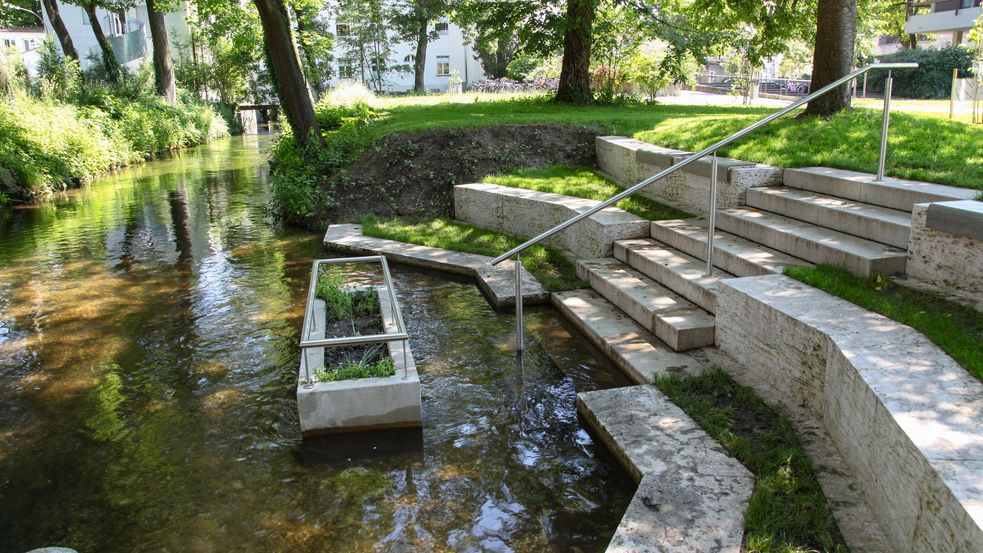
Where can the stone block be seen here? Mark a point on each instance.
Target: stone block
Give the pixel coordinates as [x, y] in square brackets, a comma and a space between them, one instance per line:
[527, 213]
[942, 258]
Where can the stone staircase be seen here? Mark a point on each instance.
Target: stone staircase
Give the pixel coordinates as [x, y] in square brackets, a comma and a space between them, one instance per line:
[820, 215]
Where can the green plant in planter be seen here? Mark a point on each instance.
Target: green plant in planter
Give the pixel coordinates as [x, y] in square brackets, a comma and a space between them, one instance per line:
[343, 301]
[363, 368]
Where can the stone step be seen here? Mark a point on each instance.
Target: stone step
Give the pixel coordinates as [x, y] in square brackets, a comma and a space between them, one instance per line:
[880, 224]
[673, 319]
[813, 243]
[527, 213]
[633, 349]
[892, 193]
[731, 253]
[673, 269]
[691, 496]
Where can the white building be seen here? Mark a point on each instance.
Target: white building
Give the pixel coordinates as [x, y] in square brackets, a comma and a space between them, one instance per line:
[949, 20]
[24, 40]
[126, 30]
[449, 57]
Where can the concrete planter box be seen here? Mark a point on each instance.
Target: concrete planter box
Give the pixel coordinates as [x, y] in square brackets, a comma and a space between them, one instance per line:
[628, 161]
[361, 404]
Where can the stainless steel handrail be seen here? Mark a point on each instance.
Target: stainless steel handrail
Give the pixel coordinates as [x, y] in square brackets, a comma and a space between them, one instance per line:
[399, 336]
[712, 149]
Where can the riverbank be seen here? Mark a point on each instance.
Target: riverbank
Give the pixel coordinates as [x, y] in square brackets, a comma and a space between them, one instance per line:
[47, 145]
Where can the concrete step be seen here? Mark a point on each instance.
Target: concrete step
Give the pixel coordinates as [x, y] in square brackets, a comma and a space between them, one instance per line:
[813, 243]
[673, 319]
[893, 193]
[880, 224]
[692, 495]
[731, 253]
[633, 349]
[673, 269]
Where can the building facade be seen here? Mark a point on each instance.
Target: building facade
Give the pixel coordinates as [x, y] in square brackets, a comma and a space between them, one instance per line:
[126, 30]
[450, 60]
[949, 20]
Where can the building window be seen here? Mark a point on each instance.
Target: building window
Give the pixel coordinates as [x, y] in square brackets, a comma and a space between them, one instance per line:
[964, 4]
[409, 59]
[443, 66]
[442, 27]
[345, 69]
[8, 43]
[341, 30]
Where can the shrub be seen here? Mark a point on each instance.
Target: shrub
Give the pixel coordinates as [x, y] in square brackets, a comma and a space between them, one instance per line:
[349, 93]
[58, 77]
[932, 79]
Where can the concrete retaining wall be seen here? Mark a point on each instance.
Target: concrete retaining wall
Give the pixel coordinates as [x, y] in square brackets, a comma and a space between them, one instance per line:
[946, 249]
[628, 161]
[905, 417]
[527, 213]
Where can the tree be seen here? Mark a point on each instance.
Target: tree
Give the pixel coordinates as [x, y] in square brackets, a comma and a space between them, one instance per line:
[54, 16]
[412, 23]
[163, 67]
[836, 29]
[110, 64]
[19, 13]
[366, 40]
[295, 96]
[316, 44]
[575, 69]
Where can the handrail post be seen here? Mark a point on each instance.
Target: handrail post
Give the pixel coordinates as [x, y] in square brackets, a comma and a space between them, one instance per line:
[520, 331]
[885, 126]
[712, 204]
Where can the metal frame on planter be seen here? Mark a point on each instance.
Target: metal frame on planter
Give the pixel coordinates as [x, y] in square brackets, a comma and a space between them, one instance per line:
[386, 337]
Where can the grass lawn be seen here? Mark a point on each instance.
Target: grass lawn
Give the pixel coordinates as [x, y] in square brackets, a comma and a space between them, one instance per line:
[552, 268]
[582, 182]
[955, 328]
[922, 147]
[788, 510]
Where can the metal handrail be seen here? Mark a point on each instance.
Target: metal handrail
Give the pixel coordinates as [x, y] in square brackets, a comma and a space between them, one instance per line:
[712, 149]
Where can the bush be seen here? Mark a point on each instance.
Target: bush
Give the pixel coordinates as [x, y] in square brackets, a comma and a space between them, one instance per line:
[932, 79]
[297, 175]
[67, 131]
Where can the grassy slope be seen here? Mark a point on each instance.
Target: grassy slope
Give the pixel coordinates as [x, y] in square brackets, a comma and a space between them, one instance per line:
[788, 510]
[922, 147]
[957, 329]
[582, 182]
[553, 269]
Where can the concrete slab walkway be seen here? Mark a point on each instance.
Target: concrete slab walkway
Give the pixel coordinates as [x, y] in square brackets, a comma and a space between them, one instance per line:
[498, 283]
[692, 496]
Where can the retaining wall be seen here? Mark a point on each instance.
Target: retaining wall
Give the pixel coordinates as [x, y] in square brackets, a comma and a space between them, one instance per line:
[905, 416]
[628, 161]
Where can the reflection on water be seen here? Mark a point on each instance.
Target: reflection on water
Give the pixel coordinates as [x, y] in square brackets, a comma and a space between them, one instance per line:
[148, 331]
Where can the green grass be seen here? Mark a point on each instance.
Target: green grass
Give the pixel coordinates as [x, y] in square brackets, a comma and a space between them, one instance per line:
[582, 182]
[922, 147]
[552, 268]
[343, 302]
[788, 510]
[955, 328]
[352, 371]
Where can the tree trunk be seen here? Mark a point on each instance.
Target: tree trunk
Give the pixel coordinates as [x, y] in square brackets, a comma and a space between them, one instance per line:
[288, 76]
[163, 68]
[314, 78]
[836, 30]
[575, 72]
[420, 62]
[109, 62]
[54, 16]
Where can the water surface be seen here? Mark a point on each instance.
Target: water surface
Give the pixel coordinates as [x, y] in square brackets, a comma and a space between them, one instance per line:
[148, 358]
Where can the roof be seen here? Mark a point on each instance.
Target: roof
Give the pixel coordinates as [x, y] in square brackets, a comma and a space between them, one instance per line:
[23, 30]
